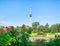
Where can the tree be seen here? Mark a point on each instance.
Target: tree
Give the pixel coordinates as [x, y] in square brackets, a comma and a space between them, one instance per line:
[1, 27]
[47, 27]
[41, 29]
[55, 28]
[54, 42]
[58, 27]
[35, 25]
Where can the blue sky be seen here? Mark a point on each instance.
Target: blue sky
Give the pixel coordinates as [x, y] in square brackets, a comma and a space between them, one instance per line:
[16, 12]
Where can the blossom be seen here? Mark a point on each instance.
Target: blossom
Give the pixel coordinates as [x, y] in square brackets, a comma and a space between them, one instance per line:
[23, 27]
[7, 28]
[1, 31]
[11, 27]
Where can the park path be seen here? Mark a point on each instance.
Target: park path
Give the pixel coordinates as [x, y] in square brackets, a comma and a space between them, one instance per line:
[40, 37]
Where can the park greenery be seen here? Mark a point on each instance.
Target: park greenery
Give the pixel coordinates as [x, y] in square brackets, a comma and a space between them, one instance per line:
[19, 35]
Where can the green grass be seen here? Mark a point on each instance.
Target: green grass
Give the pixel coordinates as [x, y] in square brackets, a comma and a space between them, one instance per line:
[33, 34]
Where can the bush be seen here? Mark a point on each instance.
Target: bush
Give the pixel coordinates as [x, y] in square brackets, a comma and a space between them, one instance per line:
[54, 42]
[39, 42]
[15, 38]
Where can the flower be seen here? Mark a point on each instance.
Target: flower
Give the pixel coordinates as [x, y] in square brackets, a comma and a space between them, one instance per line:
[11, 27]
[23, 27]
[1, 31]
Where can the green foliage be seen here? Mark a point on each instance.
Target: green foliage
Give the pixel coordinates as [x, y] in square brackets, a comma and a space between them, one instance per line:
[55, 28]
[47, 28]
[35, 25]
[39, 42]
[15, 38]
[1, 27]
[4, 38]
[14, 33]
[24, 39]
[41, 29]
[20, 35]
[54, 42]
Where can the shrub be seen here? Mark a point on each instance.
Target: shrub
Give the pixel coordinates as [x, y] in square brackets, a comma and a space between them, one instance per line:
[39, 42]
[54, 42]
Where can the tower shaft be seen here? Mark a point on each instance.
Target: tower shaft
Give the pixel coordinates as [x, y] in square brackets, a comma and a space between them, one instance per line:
[30, 15]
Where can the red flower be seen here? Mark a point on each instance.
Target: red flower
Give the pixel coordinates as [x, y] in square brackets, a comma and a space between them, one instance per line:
[11, 27]
[23, 27]
[1, 31]
[7, 29]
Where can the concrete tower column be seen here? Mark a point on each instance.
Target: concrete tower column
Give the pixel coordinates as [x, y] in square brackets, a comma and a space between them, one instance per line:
[30, 15]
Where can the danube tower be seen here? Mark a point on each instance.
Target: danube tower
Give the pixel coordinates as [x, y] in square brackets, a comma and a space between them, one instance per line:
[30, 15]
